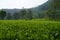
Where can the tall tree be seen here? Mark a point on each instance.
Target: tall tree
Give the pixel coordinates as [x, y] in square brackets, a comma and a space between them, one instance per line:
[54, 8]
[9, 16]
[2, 14]
[23, 13]
[29, 14]
[16, 15]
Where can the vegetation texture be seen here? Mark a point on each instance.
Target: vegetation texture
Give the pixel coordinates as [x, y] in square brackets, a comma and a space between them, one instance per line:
[29, 30]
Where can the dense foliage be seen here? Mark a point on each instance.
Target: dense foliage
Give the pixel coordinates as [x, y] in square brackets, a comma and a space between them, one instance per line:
[2, 14]
[54, 9]
[29, 30]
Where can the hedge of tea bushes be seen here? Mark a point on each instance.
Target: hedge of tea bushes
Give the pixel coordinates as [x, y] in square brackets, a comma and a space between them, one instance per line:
[29, 30]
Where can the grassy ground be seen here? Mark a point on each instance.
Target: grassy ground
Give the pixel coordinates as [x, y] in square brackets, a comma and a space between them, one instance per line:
[29, 30]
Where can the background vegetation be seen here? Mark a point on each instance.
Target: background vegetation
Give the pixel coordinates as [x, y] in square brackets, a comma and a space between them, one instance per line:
[52, 13]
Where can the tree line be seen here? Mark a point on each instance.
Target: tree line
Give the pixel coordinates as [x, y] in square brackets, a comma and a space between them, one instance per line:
[23, 14]
[28, 15]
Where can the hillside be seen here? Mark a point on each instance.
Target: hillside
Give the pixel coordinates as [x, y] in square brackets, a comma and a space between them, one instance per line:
[34, 10]
[40, 8]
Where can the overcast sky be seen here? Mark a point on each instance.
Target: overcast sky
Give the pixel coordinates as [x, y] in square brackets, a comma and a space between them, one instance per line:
[20, 3]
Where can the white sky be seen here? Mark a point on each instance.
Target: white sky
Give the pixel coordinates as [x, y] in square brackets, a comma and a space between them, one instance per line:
[10, 4]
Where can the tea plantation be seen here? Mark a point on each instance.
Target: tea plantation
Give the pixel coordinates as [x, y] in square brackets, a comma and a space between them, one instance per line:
[29, 30]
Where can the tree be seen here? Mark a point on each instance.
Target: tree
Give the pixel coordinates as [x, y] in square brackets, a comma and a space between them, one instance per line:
[29, 14]
[41, 14]
[16, 15]
[23, 13]
[53, 11]
[20, 15]
[2, 14]
[9, 17]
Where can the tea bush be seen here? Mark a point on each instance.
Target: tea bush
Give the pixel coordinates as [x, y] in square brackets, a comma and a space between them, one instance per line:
[29, 30]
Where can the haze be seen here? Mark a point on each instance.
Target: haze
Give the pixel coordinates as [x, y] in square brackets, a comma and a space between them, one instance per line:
[10, 4]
